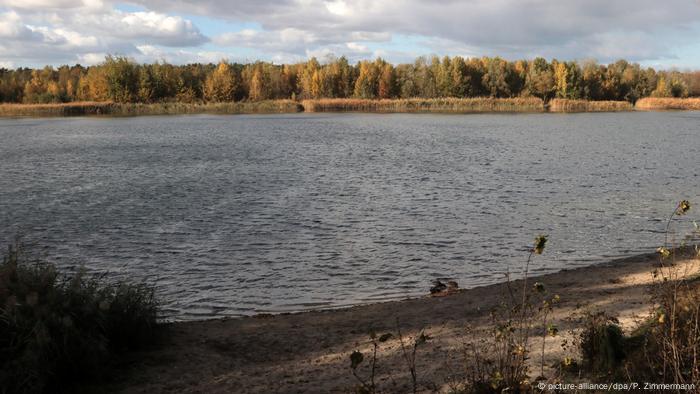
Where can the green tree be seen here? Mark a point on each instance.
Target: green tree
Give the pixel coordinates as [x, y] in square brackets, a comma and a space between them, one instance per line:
[539, 81]
[496, 78]
[567, 80]
[122, 79]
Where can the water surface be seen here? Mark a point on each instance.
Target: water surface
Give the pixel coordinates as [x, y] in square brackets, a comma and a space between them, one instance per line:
[235, 215]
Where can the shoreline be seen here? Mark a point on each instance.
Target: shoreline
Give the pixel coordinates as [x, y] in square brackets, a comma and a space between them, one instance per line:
[308, 351]
[444, 105]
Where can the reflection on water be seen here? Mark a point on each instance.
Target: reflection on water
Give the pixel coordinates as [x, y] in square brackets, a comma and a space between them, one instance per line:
[234, 215]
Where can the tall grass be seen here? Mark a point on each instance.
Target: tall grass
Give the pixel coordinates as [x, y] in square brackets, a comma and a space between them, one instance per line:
[668, 103]
[65, 109]
[447, 105]
[564, 105]
[57, 331]
[239, 107]
[134, 109]
[437, 105]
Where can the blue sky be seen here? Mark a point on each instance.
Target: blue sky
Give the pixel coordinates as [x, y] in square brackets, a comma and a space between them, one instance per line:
[38, 32]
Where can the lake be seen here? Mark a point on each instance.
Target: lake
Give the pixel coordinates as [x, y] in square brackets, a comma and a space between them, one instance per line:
[237, 215]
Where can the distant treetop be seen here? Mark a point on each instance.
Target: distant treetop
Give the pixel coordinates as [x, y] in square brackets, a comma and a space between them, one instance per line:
[122, 80]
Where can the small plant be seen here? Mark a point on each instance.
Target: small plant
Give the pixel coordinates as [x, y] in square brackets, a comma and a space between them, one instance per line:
[356, 358]
[500, 362]
[409, 354]
[409, 349]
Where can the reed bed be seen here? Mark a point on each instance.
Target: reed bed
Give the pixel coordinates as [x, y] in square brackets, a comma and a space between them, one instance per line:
[135, 109]
[240, 107]
[668, 103]
[565, 105]
[445, 105]
[436, 105]
[57, 109]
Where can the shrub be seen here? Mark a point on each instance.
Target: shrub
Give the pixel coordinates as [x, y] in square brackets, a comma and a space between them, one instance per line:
[57, 330]
[602, 343]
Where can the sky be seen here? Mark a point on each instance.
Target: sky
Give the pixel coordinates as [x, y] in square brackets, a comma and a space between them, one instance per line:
[34, 33]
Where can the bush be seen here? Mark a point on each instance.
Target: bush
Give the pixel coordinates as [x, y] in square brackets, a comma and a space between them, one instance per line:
[57, 330]
[602, 343]
[671, 337]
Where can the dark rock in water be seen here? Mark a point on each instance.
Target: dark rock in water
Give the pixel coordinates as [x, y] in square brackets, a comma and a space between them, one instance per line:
[437, 287]
[452, 285]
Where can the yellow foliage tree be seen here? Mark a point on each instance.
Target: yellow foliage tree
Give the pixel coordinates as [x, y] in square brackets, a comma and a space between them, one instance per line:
[221, 84]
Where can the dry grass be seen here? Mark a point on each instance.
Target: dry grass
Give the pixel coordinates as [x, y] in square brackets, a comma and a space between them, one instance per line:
[62, 109]
[668, 103]
[438, 105]
[446, 105]
[241, 107]
[564, 105]
[133, 109]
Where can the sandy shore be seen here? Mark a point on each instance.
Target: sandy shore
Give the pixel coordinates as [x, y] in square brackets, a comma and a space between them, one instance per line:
[309, 352]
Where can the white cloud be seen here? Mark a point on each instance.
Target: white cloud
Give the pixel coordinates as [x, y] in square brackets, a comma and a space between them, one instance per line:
[51, 4]
[338, 7]
[11, 27]
[513, 28]
[152, 27]
[150, 54]
[69, 31]
[91, 58]
[55, 31]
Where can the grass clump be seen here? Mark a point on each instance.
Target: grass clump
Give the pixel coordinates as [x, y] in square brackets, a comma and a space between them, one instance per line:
[57, 331]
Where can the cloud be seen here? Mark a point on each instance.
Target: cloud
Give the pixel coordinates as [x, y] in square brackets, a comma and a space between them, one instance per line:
[514, 28]
[289, 30]
[12, 28]
[151, 54]
[69, 31]
[151, 27]
[43, 5]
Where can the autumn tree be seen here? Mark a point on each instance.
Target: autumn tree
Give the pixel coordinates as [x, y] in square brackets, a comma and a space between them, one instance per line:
[258, 78]
[567, 80]
[387, 81]
[42, 88]
[310, 79]
[92, 86]
[120, 79]
[366, 83]
[221, 84]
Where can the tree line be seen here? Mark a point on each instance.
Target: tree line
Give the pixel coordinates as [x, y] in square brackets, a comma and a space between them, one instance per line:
[120, 79]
